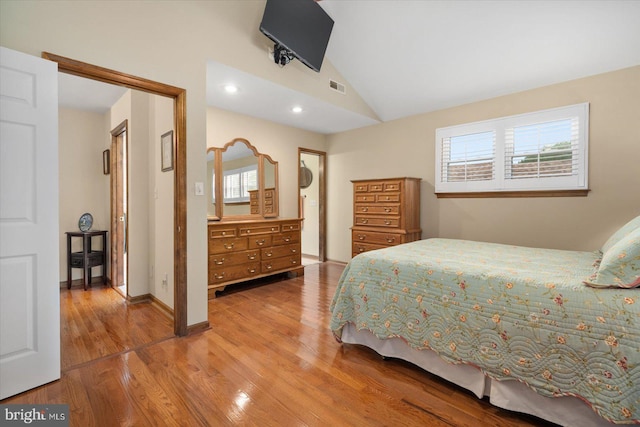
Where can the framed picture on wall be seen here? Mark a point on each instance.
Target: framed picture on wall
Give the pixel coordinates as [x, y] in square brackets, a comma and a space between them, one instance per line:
[106, 162]
[166, 150]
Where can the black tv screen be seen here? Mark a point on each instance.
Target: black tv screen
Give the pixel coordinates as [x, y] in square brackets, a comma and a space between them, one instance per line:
[300, 26]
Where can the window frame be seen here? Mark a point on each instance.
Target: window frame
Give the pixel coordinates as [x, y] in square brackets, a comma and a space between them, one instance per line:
[500, 186]
[243, 186]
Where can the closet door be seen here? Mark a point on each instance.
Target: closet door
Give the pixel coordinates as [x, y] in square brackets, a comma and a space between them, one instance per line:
[29, 248]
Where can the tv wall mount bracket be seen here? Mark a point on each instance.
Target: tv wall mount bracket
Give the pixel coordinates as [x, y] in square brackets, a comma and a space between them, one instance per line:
[282, 55]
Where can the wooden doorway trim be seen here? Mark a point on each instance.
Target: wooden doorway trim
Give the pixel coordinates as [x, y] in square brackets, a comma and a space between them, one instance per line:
[322, 203]
[82, 69]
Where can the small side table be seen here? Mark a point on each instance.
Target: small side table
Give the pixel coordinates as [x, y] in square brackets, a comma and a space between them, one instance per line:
[88, 258]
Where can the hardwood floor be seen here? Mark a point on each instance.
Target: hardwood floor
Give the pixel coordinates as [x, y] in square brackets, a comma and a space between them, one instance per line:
[269, 359]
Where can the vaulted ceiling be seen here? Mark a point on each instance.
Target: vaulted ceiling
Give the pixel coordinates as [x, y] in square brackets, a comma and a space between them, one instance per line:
[410, 57]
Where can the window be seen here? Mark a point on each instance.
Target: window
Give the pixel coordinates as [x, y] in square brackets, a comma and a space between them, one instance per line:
[236, 184]
[541, 151]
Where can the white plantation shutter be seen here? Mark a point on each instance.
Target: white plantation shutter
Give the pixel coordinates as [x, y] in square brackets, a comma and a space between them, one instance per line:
[468, 157]
[544, 150]
[238, 182]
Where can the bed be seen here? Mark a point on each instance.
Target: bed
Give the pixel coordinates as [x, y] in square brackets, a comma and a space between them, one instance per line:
[551, 333]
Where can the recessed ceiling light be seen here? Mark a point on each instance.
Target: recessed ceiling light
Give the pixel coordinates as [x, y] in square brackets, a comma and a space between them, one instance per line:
[297, 109]
[230, 88]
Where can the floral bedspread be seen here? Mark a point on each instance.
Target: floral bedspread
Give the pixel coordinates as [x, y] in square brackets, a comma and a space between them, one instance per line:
[514, 312]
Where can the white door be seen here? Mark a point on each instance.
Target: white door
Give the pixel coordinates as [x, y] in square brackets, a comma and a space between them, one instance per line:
[29, 237]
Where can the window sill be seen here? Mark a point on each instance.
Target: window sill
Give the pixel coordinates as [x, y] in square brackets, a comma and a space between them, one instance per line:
[510, 194]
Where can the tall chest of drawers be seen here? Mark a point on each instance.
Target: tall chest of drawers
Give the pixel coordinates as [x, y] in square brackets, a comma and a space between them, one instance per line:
[245, 250]
[386, 212]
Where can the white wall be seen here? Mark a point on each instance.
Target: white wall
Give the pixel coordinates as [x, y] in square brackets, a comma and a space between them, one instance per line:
[83, 186]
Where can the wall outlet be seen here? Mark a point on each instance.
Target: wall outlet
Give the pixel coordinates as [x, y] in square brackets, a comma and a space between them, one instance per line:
[199, 188]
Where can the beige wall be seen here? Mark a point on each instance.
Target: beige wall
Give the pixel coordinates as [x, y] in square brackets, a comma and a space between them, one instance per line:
[406, 148]
[161, 203]
[83, 187]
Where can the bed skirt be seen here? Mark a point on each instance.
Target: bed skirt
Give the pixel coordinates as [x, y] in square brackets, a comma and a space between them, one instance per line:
[511, 395]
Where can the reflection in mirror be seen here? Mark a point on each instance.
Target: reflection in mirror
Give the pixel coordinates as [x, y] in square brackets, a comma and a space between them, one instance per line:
[239, 177]
[270, 183]
[211, 184]
[241, 183]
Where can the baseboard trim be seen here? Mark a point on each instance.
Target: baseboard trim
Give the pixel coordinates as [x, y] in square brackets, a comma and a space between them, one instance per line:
[198, 328]
[139, 299]
[79, 283]
[161, 306]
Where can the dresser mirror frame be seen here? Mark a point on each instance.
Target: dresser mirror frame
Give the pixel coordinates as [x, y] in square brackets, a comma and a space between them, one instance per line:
[267, 170]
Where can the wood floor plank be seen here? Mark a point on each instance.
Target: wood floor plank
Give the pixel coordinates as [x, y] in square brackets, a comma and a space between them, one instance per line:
[269, 359]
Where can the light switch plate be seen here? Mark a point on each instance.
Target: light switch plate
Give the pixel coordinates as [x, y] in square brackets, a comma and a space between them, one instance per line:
[199, 189]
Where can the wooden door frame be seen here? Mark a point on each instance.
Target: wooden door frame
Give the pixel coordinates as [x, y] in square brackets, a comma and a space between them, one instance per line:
[82, 69]
[115, 133]
[322, 203]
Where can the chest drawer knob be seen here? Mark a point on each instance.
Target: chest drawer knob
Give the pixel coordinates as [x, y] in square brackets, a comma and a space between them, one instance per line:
[268, 254]
[251, 270]
[218, 276]
[220, 261]
[365, 209]
[391, 239]
[260, 242]
[364, 221]
[387, 222]
[362, 236]
[387, 210]
[251, 257]
[229, 245]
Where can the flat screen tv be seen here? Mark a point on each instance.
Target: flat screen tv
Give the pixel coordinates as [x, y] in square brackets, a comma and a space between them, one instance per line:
[299, 28]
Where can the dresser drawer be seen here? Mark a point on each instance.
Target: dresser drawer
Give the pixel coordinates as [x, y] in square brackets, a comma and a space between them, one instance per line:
[218, 232]
[280, 251]
[286, 238]
[373, 237]
[222, 245]
[377, 209]
[244, 271]
[388, 197]
[290, 226]
[259, 241]
[365, 198]
[393, 222]
[251, 230]
[361, 188]
[280, 263]
[358, 248]
[233, 258]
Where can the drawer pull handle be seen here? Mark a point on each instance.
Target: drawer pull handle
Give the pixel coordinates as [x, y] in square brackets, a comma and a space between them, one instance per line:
[387, 210]
[364, 221]
[388, 198]
[269, 267]
[248, 231]
[365, 209]
[229, 245]
[287, 239]
[251, 270]
[251, 256]
[361, 236]
[260, 242]
[293, 251]
[391, 239]
[387, 222]
[360, 249]
[219, 262]
[224, 233]
[219, 276]
[268, 254]
[273, 229]
[293, 261]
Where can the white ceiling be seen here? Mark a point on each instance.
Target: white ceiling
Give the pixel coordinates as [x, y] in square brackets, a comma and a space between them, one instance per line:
[410, 57]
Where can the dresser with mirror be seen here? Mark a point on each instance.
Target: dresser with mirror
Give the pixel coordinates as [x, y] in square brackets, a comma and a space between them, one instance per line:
[246, 237]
